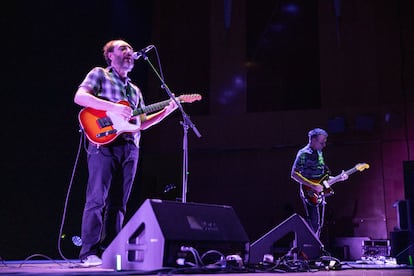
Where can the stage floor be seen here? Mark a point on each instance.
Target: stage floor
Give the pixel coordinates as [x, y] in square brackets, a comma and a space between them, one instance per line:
[73, 267]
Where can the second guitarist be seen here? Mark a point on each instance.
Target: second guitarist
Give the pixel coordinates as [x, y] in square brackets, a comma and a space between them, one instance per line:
[309, 170]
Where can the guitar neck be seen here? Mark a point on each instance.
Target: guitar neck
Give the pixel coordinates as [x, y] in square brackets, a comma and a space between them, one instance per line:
[351, 171]
[151, 108]
[338, 177]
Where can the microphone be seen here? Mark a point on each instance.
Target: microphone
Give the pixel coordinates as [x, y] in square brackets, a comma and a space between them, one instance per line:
[140, 53]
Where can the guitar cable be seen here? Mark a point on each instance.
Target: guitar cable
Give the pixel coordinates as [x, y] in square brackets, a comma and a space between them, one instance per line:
[61, 235]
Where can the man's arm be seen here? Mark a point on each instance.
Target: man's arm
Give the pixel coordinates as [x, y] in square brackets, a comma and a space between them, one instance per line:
[84, 97]
[304, 181]
[152, 119]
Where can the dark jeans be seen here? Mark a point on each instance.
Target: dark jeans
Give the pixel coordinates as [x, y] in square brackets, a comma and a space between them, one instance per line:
[112, 170]
[313, 216]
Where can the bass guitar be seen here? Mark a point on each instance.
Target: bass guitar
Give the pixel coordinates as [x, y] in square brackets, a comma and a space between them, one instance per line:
[315, 198]
[102, 127]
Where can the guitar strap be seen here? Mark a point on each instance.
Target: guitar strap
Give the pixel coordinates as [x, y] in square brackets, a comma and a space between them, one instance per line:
[129, 93]
[134, 103]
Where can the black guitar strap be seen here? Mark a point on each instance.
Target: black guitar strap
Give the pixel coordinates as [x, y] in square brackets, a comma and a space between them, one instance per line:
[133, 102]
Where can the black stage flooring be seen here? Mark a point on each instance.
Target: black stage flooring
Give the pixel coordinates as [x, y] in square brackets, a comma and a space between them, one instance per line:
[73, 267]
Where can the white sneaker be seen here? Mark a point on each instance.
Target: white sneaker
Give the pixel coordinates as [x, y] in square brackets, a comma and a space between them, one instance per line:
[91, 260]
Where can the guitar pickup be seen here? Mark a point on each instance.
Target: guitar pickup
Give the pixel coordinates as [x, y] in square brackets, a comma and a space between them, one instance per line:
[104, 122]
[325, 184]
[106, 133]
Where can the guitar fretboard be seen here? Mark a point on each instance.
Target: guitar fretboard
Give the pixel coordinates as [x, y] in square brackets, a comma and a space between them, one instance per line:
[151, 108]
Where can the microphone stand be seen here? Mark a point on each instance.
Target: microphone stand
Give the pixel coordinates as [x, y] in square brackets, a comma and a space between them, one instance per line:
[186, 123]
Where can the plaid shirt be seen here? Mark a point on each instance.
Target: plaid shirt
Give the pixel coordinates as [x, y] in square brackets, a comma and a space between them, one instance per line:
[105, 83]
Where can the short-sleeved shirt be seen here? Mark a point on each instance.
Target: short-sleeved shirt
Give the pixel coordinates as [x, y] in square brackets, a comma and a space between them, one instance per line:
[105, 83]
[310, 163]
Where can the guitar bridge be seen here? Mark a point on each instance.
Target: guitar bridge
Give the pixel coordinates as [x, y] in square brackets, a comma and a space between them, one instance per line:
[106, 133]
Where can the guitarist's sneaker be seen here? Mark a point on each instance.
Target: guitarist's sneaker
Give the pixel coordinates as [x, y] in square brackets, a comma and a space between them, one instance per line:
[91, 260]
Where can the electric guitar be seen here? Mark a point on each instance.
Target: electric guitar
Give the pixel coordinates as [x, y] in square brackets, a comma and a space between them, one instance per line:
[102, 127]
[315, 198]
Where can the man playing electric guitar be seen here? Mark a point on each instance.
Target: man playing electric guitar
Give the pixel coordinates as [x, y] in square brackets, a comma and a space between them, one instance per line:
[112, 164]
[311, 172]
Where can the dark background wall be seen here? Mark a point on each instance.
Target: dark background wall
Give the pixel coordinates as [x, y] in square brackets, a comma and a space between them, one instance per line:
[268, 72]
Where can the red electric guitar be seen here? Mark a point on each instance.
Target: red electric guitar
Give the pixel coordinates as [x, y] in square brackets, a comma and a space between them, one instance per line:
[315, 198]
[102, 127]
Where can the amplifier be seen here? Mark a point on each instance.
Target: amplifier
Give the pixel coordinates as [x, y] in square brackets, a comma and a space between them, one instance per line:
[376, 248]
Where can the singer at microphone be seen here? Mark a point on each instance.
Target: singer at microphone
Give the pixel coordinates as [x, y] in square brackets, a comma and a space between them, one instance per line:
[109, 188]
[140, 53]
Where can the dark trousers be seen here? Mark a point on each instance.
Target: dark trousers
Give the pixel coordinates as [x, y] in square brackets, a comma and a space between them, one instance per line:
[112, 170]
[313, 216]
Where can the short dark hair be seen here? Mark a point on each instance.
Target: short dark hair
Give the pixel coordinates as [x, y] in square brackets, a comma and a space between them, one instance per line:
[108, 48]
[316, 132]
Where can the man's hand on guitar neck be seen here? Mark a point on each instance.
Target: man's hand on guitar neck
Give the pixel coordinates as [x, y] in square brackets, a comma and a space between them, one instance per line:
[341, 177]
[171, 107]
[344, 175]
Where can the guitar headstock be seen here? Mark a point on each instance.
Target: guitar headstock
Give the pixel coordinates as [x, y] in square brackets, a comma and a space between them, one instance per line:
[189, 98]
[361, 166]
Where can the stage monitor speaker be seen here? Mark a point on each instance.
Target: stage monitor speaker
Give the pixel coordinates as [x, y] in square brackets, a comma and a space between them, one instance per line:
[402, 246]
[303, 239]
[154, 236]
[404, 216]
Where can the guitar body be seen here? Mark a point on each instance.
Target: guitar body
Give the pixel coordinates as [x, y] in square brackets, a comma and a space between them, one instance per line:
[102, 127]
[313, 197]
